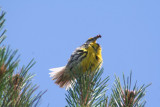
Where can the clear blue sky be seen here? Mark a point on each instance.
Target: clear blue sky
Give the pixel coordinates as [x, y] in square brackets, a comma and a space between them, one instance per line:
[50, 30]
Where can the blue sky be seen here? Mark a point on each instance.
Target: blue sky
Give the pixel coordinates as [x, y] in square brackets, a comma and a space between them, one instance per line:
[50, 30]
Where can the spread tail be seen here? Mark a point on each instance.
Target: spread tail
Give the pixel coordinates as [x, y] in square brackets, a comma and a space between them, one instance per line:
[63, 79]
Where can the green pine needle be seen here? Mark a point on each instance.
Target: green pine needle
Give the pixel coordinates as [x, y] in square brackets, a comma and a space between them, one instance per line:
[88, 90]
[16, 88]
[125, 96]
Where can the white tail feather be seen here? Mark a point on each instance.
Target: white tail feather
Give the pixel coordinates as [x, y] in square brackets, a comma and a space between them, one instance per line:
[55, 71]
[62, 78]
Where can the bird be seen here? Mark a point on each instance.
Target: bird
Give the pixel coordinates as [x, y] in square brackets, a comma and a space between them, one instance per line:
[86, 57]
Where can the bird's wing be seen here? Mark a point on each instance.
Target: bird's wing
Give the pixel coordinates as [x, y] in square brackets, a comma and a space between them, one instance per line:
[77, 56]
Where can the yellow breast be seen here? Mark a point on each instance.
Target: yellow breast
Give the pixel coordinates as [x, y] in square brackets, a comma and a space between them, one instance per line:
[93, 59]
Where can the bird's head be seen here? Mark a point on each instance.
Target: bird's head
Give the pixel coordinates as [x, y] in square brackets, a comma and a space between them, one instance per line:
[91, 44]
[93, 39]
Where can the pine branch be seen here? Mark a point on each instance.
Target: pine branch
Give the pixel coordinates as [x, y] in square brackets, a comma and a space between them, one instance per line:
[125, 96]
[16, 88]
[2, 20]
[88, 90]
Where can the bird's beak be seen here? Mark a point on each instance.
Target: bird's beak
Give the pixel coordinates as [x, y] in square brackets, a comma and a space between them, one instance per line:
[96, 37]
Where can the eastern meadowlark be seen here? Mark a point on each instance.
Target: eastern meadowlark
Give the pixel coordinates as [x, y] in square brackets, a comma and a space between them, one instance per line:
[87, 56]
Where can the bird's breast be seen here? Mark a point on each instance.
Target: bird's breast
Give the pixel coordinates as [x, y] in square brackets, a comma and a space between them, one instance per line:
[92, 61]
